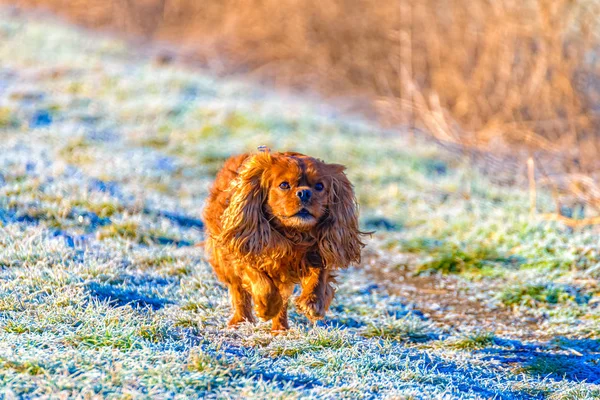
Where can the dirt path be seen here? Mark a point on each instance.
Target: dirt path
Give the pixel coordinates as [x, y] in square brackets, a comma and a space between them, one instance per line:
[453, 303]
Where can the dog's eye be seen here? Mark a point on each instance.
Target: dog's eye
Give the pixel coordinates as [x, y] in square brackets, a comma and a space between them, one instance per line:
[319, 186]
[284, 185]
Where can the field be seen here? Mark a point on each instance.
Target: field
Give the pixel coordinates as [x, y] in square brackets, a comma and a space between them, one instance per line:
[506, 76]
[106, 158]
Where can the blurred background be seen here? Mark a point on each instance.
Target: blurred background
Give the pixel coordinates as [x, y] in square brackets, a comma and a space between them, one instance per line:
[502, 81]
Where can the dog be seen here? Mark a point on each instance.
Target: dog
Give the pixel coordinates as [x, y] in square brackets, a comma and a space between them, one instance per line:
[275, 220]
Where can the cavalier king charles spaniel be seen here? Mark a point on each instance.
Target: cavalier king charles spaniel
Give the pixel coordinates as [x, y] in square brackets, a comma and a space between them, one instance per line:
[275, 220]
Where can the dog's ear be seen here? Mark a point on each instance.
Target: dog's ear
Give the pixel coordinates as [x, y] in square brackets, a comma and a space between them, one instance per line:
[246, 230]
[339, 238]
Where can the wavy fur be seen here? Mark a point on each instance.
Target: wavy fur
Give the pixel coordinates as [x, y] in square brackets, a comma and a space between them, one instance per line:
[338, 235]
[246, 230]
[279, 219]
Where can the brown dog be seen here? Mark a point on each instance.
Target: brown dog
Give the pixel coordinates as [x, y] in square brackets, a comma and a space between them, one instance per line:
[275, 220]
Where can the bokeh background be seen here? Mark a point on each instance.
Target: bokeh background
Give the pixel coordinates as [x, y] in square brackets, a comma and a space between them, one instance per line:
[501, 80]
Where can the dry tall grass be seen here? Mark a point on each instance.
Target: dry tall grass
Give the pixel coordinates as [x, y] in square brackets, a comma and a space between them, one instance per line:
[492, 75]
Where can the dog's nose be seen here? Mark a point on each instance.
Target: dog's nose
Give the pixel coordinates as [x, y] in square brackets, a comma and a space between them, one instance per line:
[304, 195]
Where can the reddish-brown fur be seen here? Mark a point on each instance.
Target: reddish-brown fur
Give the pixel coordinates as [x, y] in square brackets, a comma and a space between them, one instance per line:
[264, 237]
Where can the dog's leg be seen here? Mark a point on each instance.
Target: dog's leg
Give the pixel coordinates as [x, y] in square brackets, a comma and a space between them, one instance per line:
[242, 304]
[267, 300]
[317, 293]
[280, 322]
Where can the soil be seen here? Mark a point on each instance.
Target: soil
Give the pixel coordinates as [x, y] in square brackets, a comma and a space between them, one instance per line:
[452, 302]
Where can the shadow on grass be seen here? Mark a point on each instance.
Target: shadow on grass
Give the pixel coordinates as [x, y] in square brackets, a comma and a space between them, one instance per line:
[119, 296]
[297, 381]
[576, 360]
[183, 221]
[34, 216]
[381, 224]
[341, 322]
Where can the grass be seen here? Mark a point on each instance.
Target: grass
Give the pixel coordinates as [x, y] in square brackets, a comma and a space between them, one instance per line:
[8, 119]
[319, 340]
[127, 230]
[105, 290]
[536, 294]
[450, 258]
[407, 329]
[576, 394]
[454, 260]
[77, 151]
[200, 361]
[102, 209]
[26, 367]
[13, 327]
[545, 366]
[94, 341]
[474, 341]
[133, 232]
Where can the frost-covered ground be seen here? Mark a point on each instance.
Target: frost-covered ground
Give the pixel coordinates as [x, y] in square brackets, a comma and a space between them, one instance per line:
[105, 163]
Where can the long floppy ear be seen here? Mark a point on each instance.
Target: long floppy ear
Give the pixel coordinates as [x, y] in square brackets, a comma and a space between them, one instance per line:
[245, 228]
[339, 238]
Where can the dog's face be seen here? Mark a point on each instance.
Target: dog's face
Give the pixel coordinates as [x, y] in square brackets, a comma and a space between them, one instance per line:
[298, 191]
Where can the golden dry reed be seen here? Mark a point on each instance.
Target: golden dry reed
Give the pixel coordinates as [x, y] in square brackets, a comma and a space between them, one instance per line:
[492, 75]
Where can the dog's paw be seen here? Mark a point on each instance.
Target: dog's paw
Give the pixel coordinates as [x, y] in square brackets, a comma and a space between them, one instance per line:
[237, 320]
[279, 328]
[268, 306]
[314, 306]
[311, 306]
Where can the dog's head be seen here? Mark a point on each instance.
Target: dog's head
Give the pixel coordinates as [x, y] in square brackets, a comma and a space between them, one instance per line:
[297, 189]
[277, 192]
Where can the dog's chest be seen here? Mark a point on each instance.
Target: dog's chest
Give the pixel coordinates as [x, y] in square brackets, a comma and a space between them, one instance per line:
[285, 270]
